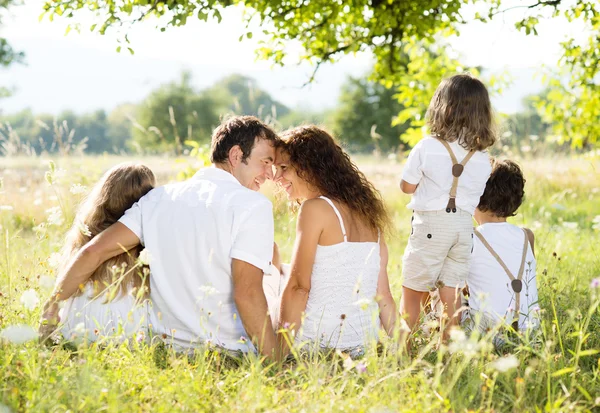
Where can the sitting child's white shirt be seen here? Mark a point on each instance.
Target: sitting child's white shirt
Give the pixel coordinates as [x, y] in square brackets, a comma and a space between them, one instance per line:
[86, 319]
[491, 298]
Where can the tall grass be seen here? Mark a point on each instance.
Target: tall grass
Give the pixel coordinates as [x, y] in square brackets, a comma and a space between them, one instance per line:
[555, 370]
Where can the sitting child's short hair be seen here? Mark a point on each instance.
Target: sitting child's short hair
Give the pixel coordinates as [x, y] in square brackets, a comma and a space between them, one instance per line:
[504, 190]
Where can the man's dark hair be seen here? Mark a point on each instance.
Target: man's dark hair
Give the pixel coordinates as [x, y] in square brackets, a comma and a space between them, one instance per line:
[504, 190]
[242, 131]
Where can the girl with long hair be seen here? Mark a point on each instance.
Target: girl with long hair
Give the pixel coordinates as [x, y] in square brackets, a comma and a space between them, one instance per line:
[338, 294]
[112, 301]
[446, 174]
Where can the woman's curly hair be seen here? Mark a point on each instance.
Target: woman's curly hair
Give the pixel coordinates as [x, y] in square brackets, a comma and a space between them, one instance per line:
[504, 190]
[320, 161]
[461, 110]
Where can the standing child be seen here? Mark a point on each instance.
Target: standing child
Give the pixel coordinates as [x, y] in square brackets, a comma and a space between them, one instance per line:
[502, 282]
[446, 174]
[112, 301]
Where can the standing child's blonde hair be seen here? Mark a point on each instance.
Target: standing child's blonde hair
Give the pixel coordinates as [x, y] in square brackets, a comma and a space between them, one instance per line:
[461, 110]
[118, 189]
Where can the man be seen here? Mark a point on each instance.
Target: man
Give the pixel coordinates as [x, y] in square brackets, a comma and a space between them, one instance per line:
[209, 240]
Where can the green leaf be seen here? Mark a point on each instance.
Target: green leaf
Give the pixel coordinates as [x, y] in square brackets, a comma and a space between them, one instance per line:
[562, 372]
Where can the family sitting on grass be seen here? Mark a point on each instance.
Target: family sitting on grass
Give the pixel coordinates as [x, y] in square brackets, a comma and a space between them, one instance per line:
[208, 243]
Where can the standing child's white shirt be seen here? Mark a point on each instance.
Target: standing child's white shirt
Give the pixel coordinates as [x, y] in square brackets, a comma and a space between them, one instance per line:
[490, 292]
[440, 242]
[430, 166]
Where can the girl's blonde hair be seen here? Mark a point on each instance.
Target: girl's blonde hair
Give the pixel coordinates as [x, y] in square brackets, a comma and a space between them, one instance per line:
[461, 110]
[118, 189]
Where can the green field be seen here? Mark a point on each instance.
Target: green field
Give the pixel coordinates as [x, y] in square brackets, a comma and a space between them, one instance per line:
[558, 371]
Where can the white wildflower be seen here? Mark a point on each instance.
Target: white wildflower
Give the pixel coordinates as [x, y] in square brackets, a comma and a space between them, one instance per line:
[18, 334]
[59, 174]
[55, 216]
[208, 290]
[47, 282]
[570, 225]
[504, 364]
[6, 208]
[83, 228]
[145, 258]
[37, 202]
[77, 189]
[363, 303]
[558, 206]
[79, 329]
[30, 299]
[459, 342]
[54, 260]
[596, 223]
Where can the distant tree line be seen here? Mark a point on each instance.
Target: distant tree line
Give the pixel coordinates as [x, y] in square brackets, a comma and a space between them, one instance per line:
[365, 120]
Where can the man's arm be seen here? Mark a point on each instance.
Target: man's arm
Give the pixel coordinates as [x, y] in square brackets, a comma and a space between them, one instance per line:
[251, 303]
[111, 242]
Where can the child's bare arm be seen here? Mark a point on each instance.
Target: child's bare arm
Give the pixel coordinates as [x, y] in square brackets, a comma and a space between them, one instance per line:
[531, 239]
[408, 188]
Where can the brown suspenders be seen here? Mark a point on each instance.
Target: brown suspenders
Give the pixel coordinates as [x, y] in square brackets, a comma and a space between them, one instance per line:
[515, 283]
[457, 170]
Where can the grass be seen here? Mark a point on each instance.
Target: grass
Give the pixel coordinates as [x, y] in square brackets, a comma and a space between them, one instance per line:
[557, 370]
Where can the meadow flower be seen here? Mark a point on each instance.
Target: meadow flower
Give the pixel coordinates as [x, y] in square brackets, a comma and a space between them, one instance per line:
[459, 342]
[363, 303]
[54, 260]
[243, 340]
[77, 189]
[6, 208]
[83, 228]
[30, 299]
[596, 223]
[361, 368]
[504, 364]
[38, 201]
[46, 282]
[558, 206]
[145, 257]
[55, 216]
[595, 283]
[18, 334]
[570, 225]
[208, 290]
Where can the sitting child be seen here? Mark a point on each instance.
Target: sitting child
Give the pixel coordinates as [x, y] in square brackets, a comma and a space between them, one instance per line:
[501, 282]
[112, 302]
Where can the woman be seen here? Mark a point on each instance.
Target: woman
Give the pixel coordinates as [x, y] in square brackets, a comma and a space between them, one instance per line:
[338, 272]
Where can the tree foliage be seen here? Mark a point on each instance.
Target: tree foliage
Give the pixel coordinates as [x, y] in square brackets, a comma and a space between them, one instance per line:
[8, 55]
[365, 115]
[175, 113]
[390, 30]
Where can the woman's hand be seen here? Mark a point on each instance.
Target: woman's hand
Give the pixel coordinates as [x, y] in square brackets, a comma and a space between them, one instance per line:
[49, 319]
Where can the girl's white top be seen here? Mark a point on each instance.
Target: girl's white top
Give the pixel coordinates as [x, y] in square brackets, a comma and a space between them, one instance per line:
[490, 292]
[84, 318]
[341, 311]
[429, 165]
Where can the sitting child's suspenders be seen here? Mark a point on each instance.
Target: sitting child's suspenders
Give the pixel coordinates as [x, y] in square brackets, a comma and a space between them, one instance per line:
[457, 170]
[515, 283]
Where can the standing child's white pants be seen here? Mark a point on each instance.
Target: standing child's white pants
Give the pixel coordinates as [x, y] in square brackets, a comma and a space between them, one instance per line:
[439, 249]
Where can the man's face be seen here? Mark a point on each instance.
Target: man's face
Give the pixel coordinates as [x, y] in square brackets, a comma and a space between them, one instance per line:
[257, 167]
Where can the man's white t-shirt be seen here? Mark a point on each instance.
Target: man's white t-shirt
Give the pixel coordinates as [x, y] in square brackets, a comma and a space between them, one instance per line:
[192, 230]
[429, 165]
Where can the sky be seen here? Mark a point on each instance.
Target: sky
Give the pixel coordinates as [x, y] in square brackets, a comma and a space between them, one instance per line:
[83, 72]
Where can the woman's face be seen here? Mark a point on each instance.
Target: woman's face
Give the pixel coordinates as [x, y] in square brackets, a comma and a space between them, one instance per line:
[287, 178]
